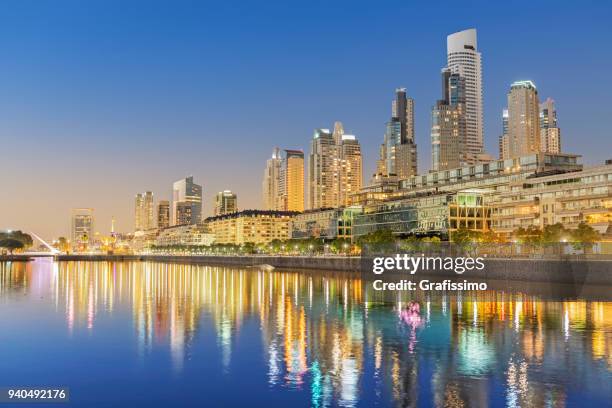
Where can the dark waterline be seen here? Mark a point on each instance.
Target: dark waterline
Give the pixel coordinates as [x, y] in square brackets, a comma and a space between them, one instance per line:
[152, 334]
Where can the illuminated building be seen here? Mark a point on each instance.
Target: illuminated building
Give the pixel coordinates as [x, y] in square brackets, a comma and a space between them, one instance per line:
[568, 198]
[291, 181]
[82, 227]
[225, 202]
[283, 183]
[463, 58]
[334, 168]
[184, 235]
[163, 214]
[143, 211]
[448, 124]
[550, 134]
[423, 204]
[271, 181]
[250, 226]
[185, 193]
[326, 223]
[398, 153]
[523, 119]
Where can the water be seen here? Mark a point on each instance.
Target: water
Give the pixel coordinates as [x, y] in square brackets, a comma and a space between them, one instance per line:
[147, 334]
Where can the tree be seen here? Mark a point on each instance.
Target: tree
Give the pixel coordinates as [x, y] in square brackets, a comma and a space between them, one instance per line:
[585, 236]
[11, 244]
[12, 240]
[378, 241]
[554, 233]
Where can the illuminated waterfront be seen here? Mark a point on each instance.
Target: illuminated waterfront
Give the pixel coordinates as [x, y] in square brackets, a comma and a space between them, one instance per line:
[147, 334]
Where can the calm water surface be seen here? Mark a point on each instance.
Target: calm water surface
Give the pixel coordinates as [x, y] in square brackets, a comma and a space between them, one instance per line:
[149, 334]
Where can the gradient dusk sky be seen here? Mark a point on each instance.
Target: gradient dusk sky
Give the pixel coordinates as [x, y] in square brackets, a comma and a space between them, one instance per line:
[101, 100]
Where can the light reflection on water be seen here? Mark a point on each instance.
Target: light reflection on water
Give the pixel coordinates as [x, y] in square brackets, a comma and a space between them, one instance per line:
[322, 338]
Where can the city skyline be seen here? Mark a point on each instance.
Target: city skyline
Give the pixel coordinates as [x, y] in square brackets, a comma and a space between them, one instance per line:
[108, 185]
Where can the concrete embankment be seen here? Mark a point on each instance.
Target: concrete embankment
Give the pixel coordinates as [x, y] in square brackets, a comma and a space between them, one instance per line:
[574, 270]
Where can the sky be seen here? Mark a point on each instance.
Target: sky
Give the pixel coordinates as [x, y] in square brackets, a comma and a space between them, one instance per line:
[100, 100]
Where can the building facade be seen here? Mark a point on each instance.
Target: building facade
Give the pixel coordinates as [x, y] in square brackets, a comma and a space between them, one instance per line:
[82, 227]
[143, 211]
[163, 214]
[550, 134]
[292, 181]
[463, 58]
[398, 153]
[568, 198]
[326, 223]
[271, 181]
[335, 169]
[523, 119]
[448, 124]
[437, 203]
[185, 193]
[225, 202]
[250, 226]
[184, 235]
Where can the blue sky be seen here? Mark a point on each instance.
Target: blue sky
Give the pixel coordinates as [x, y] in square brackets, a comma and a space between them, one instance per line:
[102, 99]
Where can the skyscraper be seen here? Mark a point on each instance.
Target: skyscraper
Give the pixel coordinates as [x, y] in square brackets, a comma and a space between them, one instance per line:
[448, 124]
[271, 181]
[523, 119]
[186, 193]
[163, 214]
[351, 172]
[82, 226]
[226, 202]
[283, 182]
[464, 59]
[143, 211]
[503, 139]
[550, 134]
[292, 181]
[322, 170]
[334, 168]
[398, 155]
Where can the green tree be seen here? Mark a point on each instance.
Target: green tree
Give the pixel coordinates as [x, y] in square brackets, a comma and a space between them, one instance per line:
[11, 244]
[585, 236]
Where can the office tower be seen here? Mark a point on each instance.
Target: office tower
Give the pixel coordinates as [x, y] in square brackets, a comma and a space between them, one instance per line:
[225, 202]
[398, 155]
[163, 214]
[523, 119]
[448, 124]
[334, 168]
[271, 181]
[503, 139]
[143, 211]
[464, 59]
[550, 134]
[186, 193]
[291, 181]
[82, 228]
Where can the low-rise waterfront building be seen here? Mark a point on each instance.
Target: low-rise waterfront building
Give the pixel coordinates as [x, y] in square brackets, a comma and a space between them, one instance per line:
[326, 223]
[439, 202]
[184, 235]
[568, 198]
[252, 226]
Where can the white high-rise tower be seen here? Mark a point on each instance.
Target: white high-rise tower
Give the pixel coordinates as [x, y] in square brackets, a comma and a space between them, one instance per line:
[464, 59]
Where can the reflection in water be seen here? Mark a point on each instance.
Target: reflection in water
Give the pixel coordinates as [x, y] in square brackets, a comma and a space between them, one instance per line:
[323, 333]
